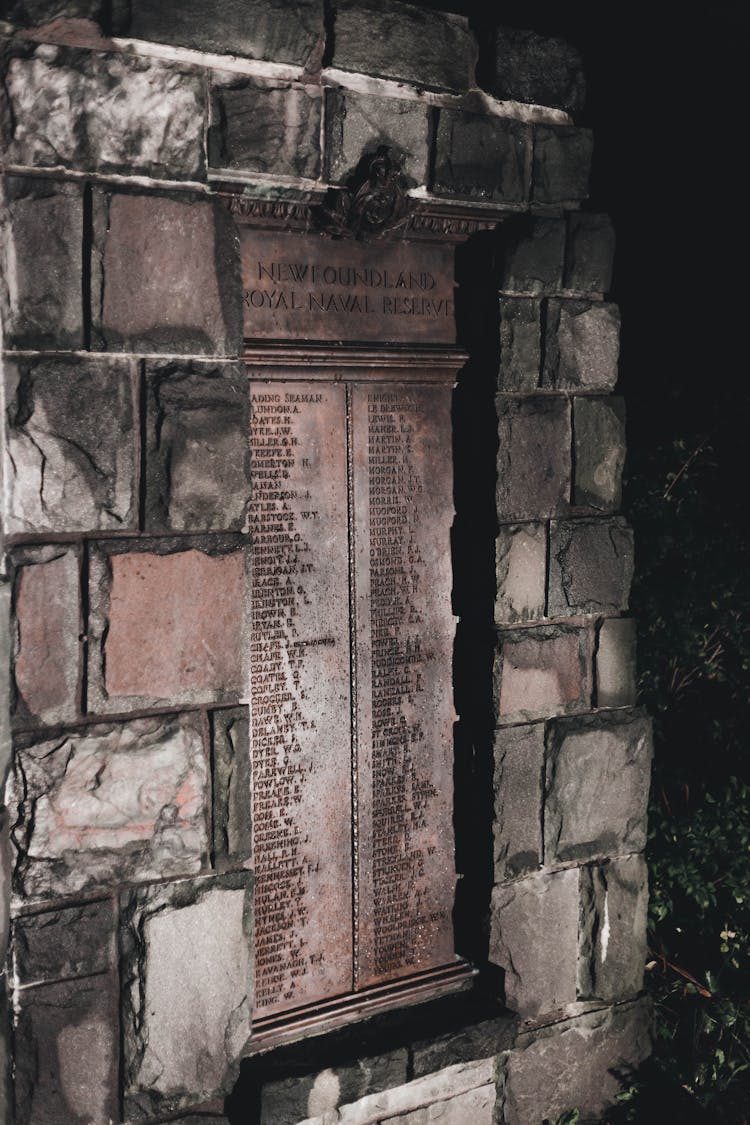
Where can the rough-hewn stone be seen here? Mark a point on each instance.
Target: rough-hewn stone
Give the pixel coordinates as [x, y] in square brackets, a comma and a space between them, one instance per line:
[529, 68]
[599, 432]
[534, 938]
[582, 345]
[533, 458]
[6, 1054]
[47, 626]
[357, 125]
[596, 788]
[104, 113]
[520, 344]
[272, 30]
[231, 785]
[480, 157]
[286, 1101]
[40, 291]
[28, 13]
[165, 627]
[54, 945]
[589, 252]
[198, 471]
[402, 41]
[5, 692]
[67, 1045]
[615, 663]
[66, 468]
[517, 827]
[108, 803]
[477, 1106]
[269, 129]
[531, 256]
[475, 1041]
[590, 566]
[578, 1063]
[6, 876]
[562, 162]
[612, 930]
[165, 276]
[540, 672]
[186, 950]
[521, 571]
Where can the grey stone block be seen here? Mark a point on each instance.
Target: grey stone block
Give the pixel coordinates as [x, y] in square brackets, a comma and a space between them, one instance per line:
[76, 942]
[596, 788]
[477, 1106]
[529, 68]
[197, 452]
[534, 938]
[358, 124]
[6, 748]
[479, 157]
[590, 566]
[109, 803]
[520, 344]
[477, 1041]
[589, 253]
[582, 345]
[531, 256]
[521, 571]
[186, 950]
[6, 1055]
[615, 663]
[29, 13]
[599, 432]
[165, 276]
[273, 30]
[287, 1101]
[104, 113]
[68, 468]
[562, 163]
[41, 233]
[533, 459]
[403, 41]
[541, 672]
[517, 826]
[612, 930]
[6, 876]
[232, 794]
[67, 1051]
[579, 1063]
[270, 129]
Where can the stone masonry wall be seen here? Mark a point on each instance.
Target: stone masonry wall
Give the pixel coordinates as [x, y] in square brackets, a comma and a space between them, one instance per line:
[124, 829]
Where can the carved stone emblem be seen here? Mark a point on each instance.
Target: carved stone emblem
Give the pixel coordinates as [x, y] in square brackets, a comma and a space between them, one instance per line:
[374, 203]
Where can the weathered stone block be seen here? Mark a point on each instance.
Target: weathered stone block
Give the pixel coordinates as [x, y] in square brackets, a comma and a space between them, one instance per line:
[272, 30]
[6, 1055]
[167, 624]
[517, 827]
[186, 952]
[6, 876]
[68, 468]
[479, 157]
[394, 40]
[534, 938]
[541, 672]
[521, 569]
[76, 942]
[358, 124]
[529, 68]
[475, 1041]
[582, 345]
[579, 1063]
[562, 162]
[531, 256]
[612, 930]
[29, 13]
[533, 458]
[589, 253]
[41, 233]
[269, 129]
[198, 460]
[520, 344]
[599, 431]
[117, 802]
[591, 566]
[615, 663]
[477, 1106]
[67, 1047]
[231, 785]
[165, 276]
[103, 113]
[597, 782]
[286, 1101]
[5, 695]
[47, 625]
